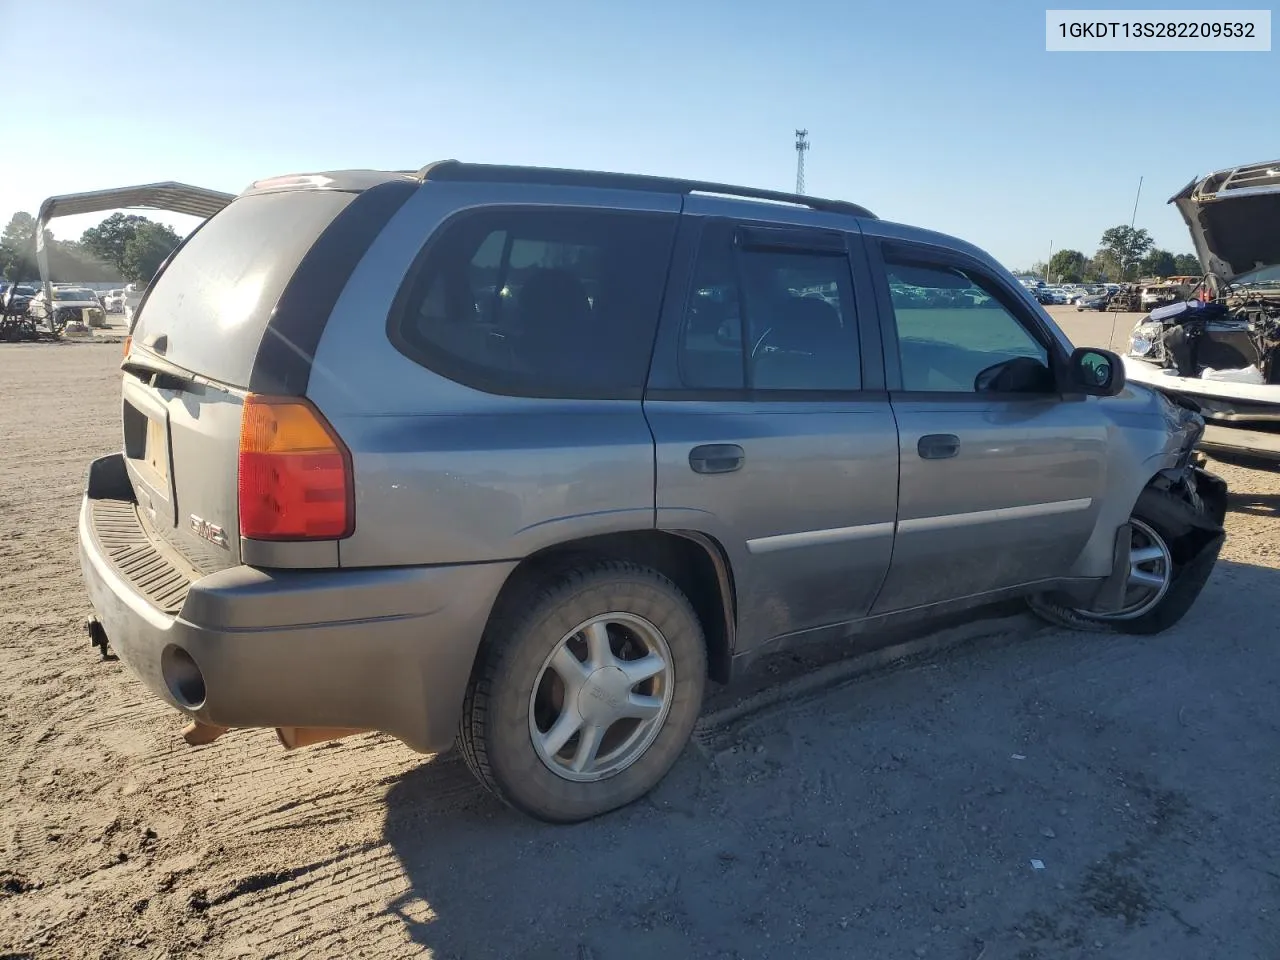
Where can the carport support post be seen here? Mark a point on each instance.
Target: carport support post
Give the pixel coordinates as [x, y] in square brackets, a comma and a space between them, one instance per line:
[42, 262]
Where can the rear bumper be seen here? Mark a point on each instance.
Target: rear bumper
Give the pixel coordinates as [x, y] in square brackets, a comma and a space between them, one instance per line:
[387, 649]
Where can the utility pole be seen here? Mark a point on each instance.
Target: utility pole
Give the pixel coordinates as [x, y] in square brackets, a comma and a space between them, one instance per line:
[802, 147]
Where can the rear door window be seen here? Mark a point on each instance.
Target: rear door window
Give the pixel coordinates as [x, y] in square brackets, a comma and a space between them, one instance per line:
[769, 319]
[214, 299]
[539, 302]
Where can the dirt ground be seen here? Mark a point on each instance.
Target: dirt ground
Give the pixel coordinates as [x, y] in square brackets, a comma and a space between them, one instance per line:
[898, 813]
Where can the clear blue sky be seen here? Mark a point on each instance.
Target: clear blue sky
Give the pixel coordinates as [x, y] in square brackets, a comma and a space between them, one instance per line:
[947, 114]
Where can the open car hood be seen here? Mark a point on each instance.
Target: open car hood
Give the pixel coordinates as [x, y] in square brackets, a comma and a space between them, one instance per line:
[1234, 218]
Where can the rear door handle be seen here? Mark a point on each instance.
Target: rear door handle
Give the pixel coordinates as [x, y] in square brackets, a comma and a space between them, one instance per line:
[716, 458]
[938, 446]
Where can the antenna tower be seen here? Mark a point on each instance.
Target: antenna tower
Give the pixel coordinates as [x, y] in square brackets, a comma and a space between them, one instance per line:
[802, 147]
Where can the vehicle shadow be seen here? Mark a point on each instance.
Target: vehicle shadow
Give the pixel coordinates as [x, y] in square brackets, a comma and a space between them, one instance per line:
[1255, 504]
[780, 833]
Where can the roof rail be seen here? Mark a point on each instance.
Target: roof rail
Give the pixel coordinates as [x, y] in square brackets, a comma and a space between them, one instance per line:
[554, 176]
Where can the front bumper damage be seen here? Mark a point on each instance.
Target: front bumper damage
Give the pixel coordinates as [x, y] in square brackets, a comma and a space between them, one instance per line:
[1196, 506]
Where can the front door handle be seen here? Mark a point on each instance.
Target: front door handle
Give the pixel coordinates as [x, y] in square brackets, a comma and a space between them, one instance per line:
[716, 458]
[938, 446]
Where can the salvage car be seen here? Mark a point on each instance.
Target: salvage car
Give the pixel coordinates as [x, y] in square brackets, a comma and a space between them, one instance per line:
[130, 298]
[1093, 301]
[523, 458]
[1221, 348]
[69, 305]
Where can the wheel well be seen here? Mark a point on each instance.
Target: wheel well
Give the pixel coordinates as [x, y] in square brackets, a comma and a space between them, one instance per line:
[692, 561]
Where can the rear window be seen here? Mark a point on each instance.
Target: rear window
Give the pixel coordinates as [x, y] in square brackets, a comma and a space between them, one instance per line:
[539, 302]
[214, 299]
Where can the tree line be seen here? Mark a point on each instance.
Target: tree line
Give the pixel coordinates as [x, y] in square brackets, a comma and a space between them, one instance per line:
[1124, 253]
[122, 248]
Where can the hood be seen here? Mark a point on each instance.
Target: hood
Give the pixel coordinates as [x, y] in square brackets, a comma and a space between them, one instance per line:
[76, 304]
[1234, 218]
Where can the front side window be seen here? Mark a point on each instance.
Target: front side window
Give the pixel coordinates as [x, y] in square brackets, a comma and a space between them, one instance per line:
[953, 331]
[768, 319]
[539, 302]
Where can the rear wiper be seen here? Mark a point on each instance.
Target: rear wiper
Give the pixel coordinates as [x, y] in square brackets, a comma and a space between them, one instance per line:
[146, 366]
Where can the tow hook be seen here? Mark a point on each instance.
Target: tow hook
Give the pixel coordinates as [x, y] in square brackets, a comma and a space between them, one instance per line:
[98, 637]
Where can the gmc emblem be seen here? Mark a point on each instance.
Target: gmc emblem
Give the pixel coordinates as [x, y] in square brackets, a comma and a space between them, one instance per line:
[209, 531]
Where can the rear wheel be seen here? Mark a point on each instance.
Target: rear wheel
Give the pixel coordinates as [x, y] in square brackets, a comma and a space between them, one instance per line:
[584, 698]
[1169, 564]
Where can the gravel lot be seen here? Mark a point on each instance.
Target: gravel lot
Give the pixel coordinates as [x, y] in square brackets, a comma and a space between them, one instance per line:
[895, 813]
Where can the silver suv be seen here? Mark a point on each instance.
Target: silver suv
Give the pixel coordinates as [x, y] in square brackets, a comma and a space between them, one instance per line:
[521, 457]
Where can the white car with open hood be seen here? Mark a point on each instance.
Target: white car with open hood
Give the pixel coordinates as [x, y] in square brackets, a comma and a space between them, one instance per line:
[1221, 349]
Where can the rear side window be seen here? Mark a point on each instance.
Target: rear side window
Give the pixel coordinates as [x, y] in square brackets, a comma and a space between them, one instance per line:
[214, 299]
[768, 319]
[539, 302]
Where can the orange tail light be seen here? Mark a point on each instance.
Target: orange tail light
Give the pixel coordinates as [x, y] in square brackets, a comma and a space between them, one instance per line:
[295, 480]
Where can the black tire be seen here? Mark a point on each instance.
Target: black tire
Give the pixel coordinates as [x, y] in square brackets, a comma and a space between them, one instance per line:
[1169, 515]
[496, 737]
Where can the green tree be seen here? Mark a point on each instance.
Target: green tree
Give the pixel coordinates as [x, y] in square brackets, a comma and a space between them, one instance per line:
[1124, 247]
[1067, 266]
[68, 260]
[108, 240]
[1186, 265]
[18, 248]
[150, 244]
[1158, 263]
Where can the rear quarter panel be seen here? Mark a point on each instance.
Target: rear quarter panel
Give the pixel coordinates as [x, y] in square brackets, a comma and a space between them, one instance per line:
[449, 474]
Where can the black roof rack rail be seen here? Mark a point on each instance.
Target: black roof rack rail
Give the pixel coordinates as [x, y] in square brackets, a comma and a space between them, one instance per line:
[555, 176]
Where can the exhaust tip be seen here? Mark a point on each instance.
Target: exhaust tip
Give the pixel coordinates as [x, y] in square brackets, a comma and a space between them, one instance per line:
[183, 677]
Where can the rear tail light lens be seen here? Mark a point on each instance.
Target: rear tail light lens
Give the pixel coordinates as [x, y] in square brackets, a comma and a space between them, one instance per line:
[296, 481]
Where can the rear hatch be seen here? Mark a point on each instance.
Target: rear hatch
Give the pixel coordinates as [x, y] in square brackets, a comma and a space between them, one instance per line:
[194, 346]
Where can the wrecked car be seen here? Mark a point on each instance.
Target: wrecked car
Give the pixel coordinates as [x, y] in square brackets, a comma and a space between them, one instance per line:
[66, 305]
[344, 499]
[1220, 348]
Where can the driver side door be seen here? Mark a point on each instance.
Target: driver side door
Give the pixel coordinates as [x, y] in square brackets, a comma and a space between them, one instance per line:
[996, 489]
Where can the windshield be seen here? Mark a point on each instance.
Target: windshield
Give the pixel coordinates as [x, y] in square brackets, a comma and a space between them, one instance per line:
[73, 293]
[1263, 276]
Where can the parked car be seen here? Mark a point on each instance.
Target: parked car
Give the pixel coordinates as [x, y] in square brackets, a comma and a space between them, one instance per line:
[1221, 350]
[1093, 301]
[130, 297]
[114, 301]
[17, 298]
[68, 305]
[524, 457]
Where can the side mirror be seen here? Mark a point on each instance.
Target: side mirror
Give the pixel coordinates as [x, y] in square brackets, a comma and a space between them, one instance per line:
[1095, 372]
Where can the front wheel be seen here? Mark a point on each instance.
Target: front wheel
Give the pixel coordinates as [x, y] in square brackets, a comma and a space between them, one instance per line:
[584, 697]
[1172, 551]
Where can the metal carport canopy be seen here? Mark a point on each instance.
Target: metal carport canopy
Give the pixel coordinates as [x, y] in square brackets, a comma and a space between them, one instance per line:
[175, 197]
